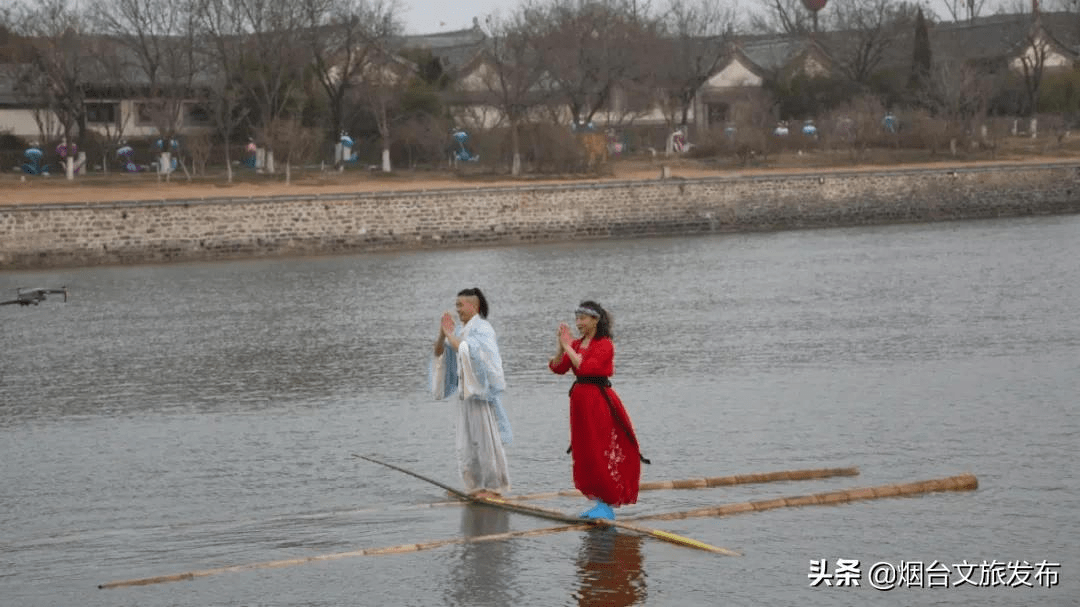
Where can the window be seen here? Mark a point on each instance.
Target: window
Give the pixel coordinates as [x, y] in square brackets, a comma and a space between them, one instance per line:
[718, 114]
[196, 114]
[102, 113]
[144, 114]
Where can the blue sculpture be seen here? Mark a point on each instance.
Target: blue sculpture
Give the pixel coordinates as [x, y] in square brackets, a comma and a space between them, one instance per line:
[345, 151]
[126, 155]
[174, 147]
[459, 150]
[33, 164]
[890, 122]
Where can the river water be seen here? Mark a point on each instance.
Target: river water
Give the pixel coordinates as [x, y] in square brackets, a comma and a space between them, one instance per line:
[169, 419]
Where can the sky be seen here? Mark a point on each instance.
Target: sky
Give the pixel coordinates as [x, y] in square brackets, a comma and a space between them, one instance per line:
[433, 16]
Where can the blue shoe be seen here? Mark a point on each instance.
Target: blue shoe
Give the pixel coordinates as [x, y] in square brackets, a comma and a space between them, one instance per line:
[600, 510]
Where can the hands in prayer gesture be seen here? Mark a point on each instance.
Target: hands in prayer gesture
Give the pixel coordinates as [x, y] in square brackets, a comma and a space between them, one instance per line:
[447, 324]
[565, 338]
[446, 333]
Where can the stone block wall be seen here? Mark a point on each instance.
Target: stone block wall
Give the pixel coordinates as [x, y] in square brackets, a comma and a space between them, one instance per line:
[59, 235]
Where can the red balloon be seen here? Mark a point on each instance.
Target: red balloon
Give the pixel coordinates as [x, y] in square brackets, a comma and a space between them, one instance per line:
[814, 5]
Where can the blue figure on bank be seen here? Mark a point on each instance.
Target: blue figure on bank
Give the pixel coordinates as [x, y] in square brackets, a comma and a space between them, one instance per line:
[126, 155]
[459, 149]
[251, 155]
[32, 165]
[890, 123]
[174, 147]
[345, 147]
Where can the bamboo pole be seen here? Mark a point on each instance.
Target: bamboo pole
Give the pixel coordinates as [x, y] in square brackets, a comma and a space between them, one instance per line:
[963, 482]
[398, 549]
[713, 481]
[556, 515]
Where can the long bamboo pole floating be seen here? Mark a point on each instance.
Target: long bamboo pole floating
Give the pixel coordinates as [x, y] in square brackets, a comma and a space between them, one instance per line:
[963, 482]
[398, 549]
[556, 515]
[714, 481]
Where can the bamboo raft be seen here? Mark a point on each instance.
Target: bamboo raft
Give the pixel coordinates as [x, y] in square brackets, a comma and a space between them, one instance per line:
[963, 482]
[556, 515]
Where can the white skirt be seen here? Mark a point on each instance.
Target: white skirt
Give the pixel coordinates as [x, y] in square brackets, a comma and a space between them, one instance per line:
[481, 457]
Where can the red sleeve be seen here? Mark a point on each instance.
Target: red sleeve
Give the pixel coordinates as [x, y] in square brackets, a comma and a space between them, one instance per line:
[598, 359]
[562, 366]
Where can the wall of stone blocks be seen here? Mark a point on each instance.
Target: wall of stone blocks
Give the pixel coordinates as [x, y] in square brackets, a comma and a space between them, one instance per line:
[66, 235]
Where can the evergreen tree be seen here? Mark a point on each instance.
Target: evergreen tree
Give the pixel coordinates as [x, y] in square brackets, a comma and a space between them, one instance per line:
[920, 60]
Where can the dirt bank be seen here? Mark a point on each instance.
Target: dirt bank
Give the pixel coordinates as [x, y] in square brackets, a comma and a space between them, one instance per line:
[19, 189]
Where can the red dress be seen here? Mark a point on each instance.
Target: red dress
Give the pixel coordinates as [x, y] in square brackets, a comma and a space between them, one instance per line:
[607, 460]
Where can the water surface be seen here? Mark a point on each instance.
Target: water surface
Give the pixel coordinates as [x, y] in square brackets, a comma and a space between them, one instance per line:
[186, 417]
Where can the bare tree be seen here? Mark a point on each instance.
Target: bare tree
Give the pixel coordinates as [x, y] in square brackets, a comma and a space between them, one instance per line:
[381, 82]
[110, 78]
[782, 17]
[274, 60]
[964, 10]
[1032, 64]
[513, 82]
[960, 94]
[694, 39]
[341, 35]
[866, 29]
[53, 77]
[221, 35]
[591, 48]
[295, 142]
[160, 60]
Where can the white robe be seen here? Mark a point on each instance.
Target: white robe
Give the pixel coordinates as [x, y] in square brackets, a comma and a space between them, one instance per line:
[483, 428]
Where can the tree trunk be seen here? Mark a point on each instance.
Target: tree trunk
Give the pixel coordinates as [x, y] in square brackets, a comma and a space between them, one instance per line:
[386, 159]
[69, 160]
[515, 167]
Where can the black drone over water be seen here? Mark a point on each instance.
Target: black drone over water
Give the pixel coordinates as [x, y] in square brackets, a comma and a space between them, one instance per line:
[25, 297]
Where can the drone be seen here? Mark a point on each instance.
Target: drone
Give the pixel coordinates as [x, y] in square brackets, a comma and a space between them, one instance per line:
[25, 297]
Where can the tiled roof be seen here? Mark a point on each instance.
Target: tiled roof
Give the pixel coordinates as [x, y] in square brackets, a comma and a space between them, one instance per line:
[991, 38]
[772, 53]
[473, 35]
[454, 49]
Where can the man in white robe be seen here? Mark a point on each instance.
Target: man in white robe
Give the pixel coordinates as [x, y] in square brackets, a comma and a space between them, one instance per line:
[467, 361]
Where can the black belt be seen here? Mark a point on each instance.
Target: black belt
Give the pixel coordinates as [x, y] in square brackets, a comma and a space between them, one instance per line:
[604, 382]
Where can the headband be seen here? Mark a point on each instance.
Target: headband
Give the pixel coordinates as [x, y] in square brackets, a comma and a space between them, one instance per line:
[587, 312]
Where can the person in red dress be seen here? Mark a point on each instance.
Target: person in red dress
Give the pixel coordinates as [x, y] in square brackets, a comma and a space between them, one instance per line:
[607, 459]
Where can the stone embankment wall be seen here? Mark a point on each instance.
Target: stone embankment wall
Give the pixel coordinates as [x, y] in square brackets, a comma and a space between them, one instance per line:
[59, 235]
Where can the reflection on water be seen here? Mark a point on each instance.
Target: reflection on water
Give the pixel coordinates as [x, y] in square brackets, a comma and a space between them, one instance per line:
[484, 571]
[610, 569]
[482, 520]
